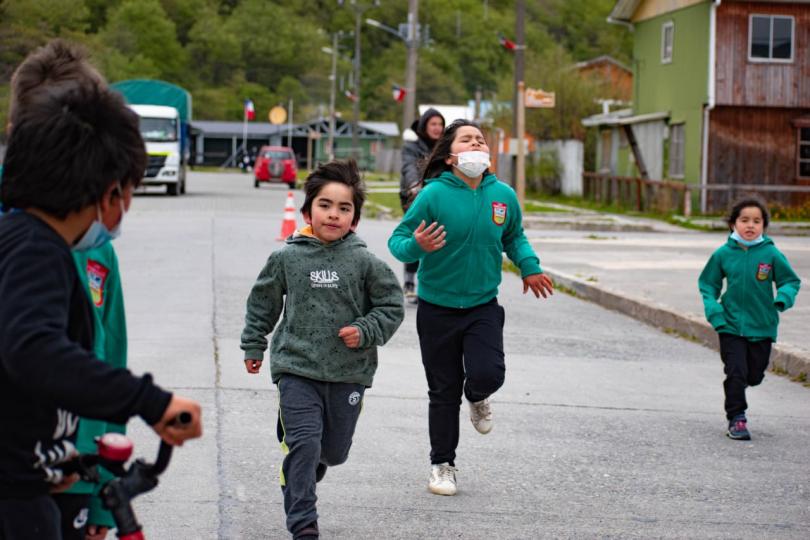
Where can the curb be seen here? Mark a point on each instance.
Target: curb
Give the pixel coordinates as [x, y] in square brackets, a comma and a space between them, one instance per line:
[784, 359]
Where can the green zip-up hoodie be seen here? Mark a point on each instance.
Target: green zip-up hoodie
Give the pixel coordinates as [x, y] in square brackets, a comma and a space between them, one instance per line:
[98, 270]
[481, 224]
[322, 288]
[748, 307]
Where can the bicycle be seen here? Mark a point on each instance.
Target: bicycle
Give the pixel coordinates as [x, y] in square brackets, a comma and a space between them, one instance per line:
[114, 450]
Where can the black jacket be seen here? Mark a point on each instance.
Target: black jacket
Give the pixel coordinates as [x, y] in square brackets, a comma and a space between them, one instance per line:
[414, 156]
[48, 375]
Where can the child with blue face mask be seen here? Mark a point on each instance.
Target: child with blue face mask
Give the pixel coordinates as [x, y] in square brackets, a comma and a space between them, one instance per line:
[54, 255]
[747, 314]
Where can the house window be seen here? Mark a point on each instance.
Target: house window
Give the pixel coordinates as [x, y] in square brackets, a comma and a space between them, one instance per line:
[667, 39]
[804, 152]
[770, 38]
[676, 151]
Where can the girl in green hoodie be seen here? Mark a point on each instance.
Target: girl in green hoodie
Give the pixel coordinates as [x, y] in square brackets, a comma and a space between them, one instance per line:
[747, 315]
[458, 227]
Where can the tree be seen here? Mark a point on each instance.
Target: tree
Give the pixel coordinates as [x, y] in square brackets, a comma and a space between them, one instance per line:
[141, 32]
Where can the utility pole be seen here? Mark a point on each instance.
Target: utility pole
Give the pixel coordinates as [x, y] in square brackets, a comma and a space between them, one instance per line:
[520, 177]
[358, 13]
[520, 46]
[412, 45]
[333, 78]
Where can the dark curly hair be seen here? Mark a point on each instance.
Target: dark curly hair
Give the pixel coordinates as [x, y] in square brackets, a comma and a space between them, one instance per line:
[748, 202]
[343, 172]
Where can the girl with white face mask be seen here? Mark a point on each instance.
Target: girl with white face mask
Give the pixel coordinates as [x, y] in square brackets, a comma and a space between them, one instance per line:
[458, 228]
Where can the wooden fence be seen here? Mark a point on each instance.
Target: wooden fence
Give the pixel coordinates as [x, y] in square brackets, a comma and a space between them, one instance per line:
[667, 196]
[639, 194]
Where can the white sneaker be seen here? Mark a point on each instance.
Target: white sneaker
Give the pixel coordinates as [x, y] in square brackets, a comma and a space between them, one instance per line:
[481, 416]
[442, 479]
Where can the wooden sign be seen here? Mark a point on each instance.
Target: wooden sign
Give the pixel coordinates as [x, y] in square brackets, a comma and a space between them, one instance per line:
[277, 115]
[539, 99]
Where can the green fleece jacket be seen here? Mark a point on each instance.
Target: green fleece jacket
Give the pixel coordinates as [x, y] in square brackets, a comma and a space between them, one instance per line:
[481, 225]
[322, 288]
[98, 270]
[748, 307]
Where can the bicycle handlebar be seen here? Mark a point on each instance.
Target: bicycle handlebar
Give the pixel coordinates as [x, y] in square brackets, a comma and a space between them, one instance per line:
[140, 477]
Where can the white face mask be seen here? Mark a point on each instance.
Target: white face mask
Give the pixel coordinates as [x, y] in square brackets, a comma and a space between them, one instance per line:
[472, 163]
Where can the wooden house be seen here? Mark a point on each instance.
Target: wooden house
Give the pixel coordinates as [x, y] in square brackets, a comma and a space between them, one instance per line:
[728, 86]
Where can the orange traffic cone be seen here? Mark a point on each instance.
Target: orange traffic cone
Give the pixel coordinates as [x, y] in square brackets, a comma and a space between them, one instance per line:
[288, 224]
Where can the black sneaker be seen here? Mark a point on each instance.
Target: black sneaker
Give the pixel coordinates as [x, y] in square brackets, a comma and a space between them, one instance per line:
[738, 429]
[320, 472]
[310, 532]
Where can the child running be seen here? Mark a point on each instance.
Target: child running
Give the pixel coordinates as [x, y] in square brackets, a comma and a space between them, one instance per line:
[458, 319]
[339, 303]
[747, 315]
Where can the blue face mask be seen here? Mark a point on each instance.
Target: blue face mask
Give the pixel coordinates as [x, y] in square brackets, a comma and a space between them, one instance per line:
[747, 243]
[98, 234]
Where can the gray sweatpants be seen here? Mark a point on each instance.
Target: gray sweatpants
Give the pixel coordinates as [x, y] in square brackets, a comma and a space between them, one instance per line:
[316, 422]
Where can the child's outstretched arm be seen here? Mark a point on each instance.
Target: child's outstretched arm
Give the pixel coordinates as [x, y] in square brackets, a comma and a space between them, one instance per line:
[385, 295]
[264, 306]
[787, 283]
[520, 252]
[710, 284]
[417, 234]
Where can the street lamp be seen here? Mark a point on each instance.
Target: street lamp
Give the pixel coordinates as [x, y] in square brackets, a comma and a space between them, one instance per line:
[411, 39]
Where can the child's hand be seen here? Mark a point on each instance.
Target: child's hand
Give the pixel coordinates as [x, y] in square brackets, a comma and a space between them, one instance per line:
[539, 284]
[175, 434]
[430, 238]
[96, 532]
[65, 484]
[350, 336]
[253, 366]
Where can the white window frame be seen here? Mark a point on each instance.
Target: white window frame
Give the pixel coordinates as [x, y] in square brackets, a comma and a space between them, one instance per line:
[669, 25]
[771, 60]
[799, 144]
[677, 151]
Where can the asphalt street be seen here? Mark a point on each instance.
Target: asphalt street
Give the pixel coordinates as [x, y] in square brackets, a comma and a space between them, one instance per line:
[605, 428]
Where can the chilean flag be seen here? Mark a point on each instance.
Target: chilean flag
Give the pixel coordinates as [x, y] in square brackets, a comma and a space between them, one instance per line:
[350, 96]
[506, 43]
[250, 111]
[398, 92]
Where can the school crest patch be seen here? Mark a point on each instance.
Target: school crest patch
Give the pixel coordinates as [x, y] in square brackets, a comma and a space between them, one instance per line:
[96, 278]
[763, 270]
[498, 213]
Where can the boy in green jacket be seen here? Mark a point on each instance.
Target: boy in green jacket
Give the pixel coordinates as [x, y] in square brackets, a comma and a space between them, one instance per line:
[459, 320]
[747, 315]
[82, 513]
[339, 303]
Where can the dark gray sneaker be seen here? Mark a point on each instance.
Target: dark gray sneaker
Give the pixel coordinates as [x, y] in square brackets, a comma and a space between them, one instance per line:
[738, 429]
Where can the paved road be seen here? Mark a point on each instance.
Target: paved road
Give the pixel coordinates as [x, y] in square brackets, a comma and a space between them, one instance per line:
[605, 428]
[664, 268]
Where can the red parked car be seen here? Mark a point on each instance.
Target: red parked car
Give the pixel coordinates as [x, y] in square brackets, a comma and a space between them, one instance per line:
[275, 164]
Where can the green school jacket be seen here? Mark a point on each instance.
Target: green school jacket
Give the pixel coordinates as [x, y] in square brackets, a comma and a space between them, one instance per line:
[98, 270]
[321, 288]
[481, 225]
[748, 308]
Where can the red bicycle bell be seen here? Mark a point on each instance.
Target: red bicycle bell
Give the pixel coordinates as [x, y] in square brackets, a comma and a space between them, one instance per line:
[115, 447]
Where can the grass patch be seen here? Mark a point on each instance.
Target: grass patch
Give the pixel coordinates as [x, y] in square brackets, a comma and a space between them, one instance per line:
[779, 371]
[389, 200]
[801, 377]
[597, 237]
[509, 266]
[534, 207]
[567, 290]
[682, 335]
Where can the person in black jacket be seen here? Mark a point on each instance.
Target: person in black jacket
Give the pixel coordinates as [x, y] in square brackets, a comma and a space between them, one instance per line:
[74, 156]
[428, 129]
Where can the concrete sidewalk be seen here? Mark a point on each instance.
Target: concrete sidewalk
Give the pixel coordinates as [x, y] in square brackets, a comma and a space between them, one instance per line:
[653, 277]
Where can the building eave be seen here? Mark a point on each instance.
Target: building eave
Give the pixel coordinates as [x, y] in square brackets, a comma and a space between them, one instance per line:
[623, 11]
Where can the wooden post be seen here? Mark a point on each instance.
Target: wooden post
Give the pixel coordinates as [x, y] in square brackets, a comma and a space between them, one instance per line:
[687, 201]
[638, 194]
[520, 183]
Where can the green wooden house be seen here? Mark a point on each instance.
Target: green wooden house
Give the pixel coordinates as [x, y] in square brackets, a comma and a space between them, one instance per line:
[721, 97]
